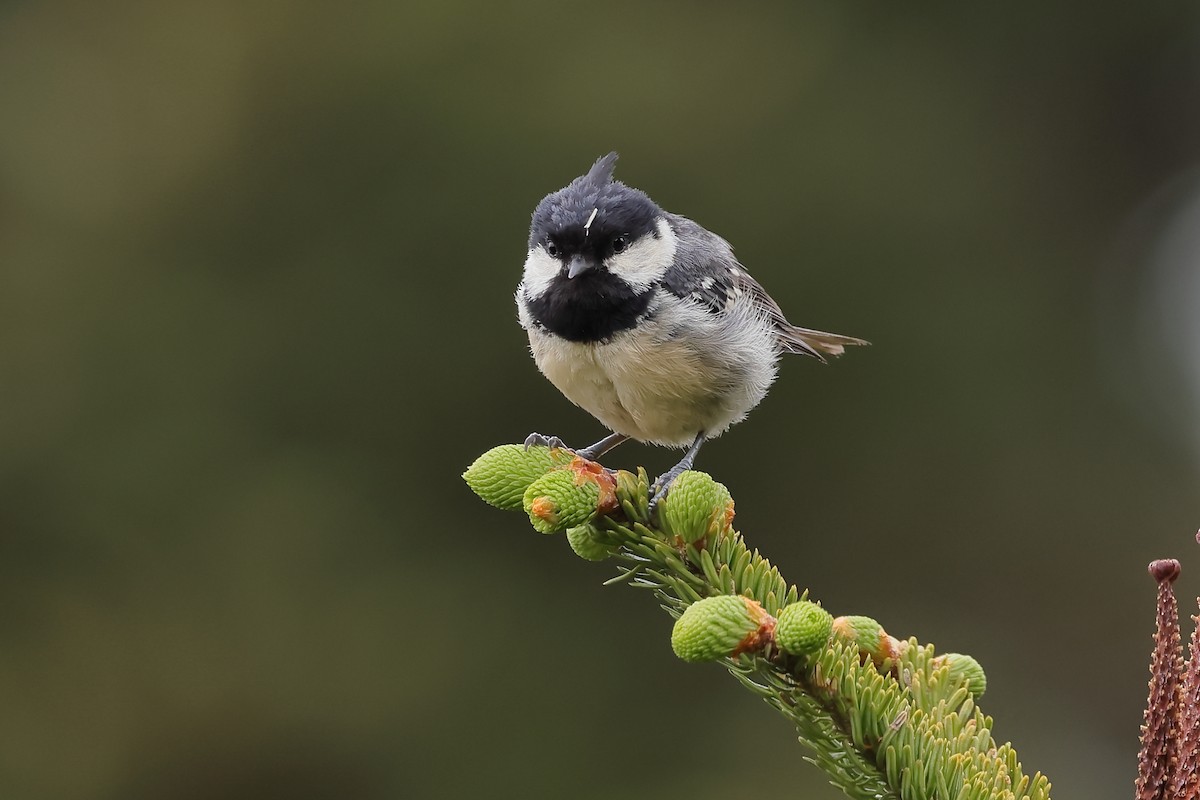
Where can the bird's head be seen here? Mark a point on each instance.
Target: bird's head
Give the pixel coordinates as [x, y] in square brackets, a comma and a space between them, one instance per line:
[596, 231]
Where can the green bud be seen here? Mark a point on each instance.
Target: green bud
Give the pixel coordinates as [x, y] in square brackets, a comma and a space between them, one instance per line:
[716, 627]
[586, 545]
[803, 628]
[501, 475]
[695, 507]
[965, 669]
[627, 485]
[633, 494]
[564, 498]
[868, 635]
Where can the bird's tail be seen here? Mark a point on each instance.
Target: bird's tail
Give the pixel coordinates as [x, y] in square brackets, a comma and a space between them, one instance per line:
[813, 343]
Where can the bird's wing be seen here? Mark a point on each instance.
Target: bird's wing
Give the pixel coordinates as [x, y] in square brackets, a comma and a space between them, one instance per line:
[706, 272]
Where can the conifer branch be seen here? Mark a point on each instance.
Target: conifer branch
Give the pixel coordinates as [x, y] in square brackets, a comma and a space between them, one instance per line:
[885, 719]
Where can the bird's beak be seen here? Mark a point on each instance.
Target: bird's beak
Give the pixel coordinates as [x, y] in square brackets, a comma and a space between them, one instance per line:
[579, 265]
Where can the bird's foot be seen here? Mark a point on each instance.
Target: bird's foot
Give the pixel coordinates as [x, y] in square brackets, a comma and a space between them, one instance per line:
[538, 440]
[662, 484]
[590, 453]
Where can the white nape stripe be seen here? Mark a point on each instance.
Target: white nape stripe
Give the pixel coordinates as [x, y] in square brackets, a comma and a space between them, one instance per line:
[647, 259]
[540, 269]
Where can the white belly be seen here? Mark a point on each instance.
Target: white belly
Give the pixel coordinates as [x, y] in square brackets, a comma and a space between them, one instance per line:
[657, 388]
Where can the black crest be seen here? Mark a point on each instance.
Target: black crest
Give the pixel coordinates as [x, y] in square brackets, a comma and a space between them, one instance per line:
[601, 172]
[620, 209]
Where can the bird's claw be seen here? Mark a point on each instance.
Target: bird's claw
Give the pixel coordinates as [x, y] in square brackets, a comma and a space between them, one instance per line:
[662, 485]
[538, 440]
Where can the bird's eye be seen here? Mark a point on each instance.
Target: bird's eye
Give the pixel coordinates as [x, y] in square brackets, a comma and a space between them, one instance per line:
[552, 249]
[619, 244]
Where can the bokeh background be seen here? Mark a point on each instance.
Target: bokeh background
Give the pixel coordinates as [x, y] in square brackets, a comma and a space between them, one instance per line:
[256, 274]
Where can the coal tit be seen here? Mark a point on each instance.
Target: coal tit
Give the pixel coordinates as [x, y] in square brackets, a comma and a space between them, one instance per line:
[647, 321]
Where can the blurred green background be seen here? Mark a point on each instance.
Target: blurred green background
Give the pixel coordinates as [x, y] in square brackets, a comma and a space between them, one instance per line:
[256, 274]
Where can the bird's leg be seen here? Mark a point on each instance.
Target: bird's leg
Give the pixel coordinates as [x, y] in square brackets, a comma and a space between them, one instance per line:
[662, 484]
[591, 452]
[594, 451]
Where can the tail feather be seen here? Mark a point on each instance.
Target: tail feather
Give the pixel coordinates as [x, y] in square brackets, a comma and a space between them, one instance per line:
[805, 341]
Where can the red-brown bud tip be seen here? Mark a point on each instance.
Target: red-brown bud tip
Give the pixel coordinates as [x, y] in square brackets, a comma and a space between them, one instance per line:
[1164, 569]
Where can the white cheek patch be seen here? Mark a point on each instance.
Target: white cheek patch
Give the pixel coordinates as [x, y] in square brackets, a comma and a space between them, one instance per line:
[647, 259]
[540, 269]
